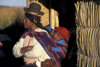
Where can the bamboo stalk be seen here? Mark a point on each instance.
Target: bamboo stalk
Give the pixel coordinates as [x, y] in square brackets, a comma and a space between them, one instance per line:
[94, 14]
[91, 13]
[77, 39]
[88, 15]
[99, 42]
[77, 10]
[81, 14]
[99, 14]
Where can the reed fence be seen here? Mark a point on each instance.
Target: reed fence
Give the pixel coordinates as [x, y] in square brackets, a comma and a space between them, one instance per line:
[88, 33]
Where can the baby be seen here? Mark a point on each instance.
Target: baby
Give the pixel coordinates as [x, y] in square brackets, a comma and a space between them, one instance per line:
[61, 37]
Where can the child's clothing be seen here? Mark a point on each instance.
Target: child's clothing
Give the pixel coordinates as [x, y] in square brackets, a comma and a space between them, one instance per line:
[49, 29]
[62, 44]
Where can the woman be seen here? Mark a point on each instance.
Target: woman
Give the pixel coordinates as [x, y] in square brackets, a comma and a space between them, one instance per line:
[32, 45]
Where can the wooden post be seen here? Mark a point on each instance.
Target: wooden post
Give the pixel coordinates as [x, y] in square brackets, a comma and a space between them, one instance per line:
[88, 33]
[54, 21]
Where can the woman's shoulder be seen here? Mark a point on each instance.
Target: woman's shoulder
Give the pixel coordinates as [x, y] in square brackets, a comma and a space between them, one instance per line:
[25, 34]
[42, 30]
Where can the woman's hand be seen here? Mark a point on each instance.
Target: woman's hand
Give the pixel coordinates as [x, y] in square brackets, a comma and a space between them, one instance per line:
[25, 49]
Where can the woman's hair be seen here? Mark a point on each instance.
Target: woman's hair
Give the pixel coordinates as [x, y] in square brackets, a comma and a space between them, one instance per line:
[34, 19]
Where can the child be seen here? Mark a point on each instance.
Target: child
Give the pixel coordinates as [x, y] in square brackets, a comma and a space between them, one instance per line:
[61, 36]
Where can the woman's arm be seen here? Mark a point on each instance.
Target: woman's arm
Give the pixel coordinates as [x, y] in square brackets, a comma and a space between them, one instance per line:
[25, 49]
[17, 48]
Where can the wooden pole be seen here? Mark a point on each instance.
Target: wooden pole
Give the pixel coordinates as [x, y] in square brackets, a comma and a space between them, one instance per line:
[54, 20]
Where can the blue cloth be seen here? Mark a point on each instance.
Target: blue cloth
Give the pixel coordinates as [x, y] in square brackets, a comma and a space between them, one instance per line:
[60, 42]
[49, 28]
[58, 49]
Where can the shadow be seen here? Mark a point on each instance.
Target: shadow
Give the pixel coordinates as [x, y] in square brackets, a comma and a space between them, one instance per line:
[96, 1]
[67, 14]
[66, 10]
[46, 3]
[72, 48]
[14, 31]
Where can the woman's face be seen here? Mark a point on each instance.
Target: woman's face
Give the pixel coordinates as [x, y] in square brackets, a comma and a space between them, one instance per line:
[27, 23]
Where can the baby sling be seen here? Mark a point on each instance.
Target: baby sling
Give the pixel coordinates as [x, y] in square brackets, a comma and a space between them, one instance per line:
[45, 40]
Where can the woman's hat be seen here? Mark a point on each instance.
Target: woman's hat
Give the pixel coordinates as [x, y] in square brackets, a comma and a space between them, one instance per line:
[34, 9]
[63, 32]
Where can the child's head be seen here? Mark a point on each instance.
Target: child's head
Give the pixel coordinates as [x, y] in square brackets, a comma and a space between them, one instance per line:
[57, 37]
[61, 33]
[51, 31]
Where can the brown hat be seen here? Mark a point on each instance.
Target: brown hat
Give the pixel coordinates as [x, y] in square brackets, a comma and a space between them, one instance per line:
[34, 9]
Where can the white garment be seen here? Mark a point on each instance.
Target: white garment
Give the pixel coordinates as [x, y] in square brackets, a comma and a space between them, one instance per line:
[37, 51]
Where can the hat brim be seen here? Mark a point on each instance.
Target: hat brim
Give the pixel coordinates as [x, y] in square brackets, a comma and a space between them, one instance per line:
[35, 12]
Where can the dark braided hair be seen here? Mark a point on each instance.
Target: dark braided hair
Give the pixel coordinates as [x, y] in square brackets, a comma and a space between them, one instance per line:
[36, 18]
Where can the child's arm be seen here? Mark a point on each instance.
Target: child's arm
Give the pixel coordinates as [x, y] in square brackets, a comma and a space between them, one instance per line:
[61, 42]
[56, 49]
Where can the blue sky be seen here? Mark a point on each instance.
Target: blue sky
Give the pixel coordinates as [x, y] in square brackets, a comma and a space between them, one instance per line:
[12, 3]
